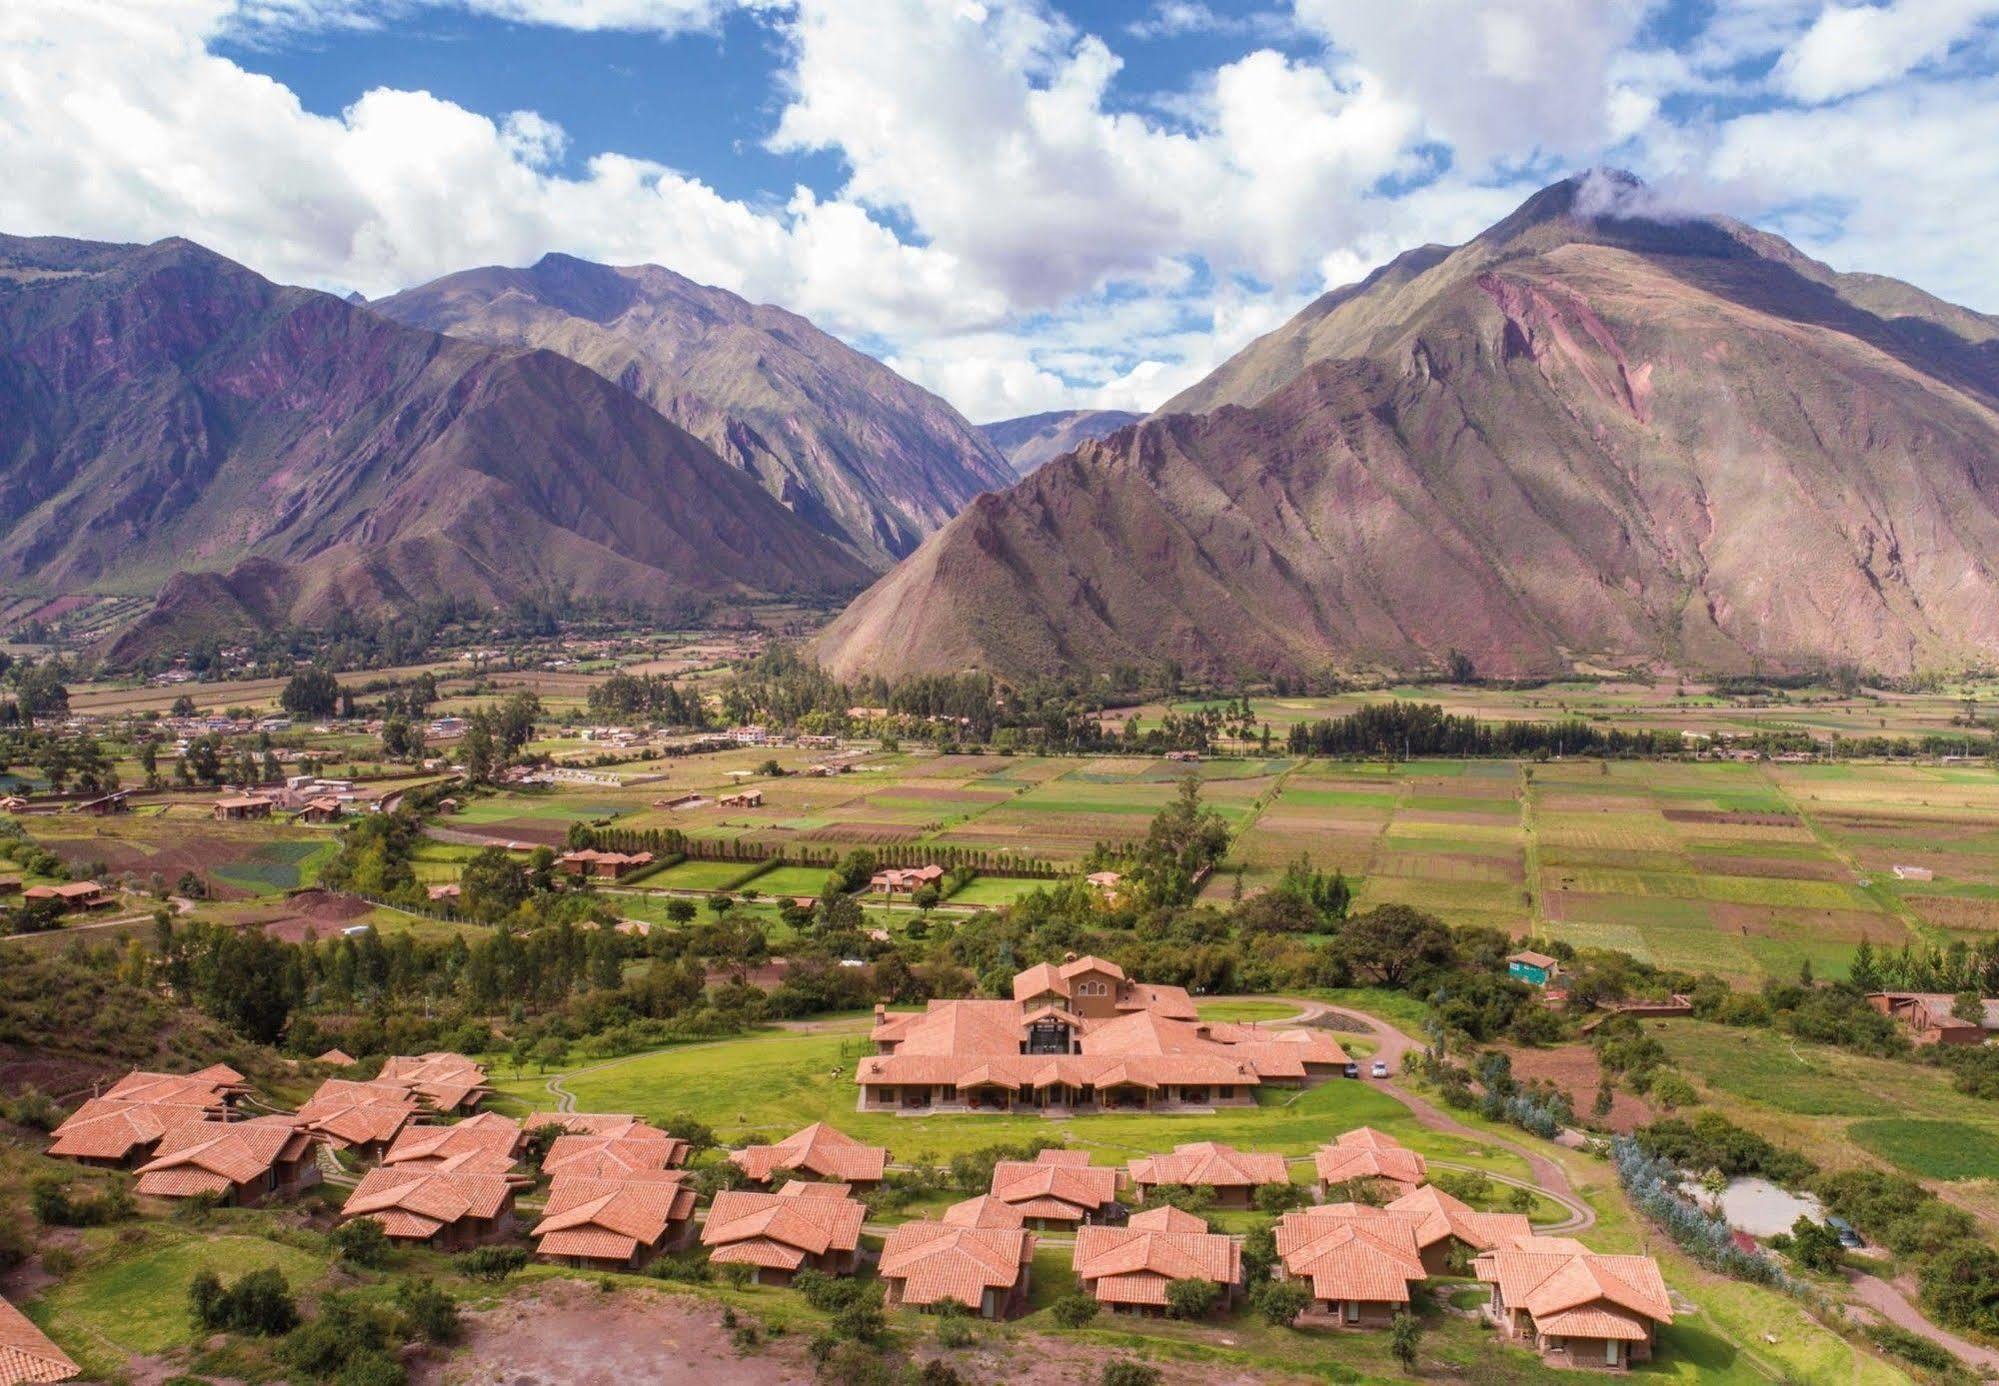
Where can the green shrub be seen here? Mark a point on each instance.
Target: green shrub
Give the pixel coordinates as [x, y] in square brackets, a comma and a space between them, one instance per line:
[259, 1304]
[1128, 1371]
[1073, 1311]
[1192, 1299]
[492, 1263]
[1280, 1302]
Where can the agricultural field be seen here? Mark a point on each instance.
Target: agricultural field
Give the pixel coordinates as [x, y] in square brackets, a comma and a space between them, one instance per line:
[1749, 870]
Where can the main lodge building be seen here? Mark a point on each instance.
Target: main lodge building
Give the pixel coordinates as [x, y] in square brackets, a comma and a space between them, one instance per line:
[1081, 1037]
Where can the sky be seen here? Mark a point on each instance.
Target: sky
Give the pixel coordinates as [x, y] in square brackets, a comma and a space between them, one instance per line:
[1020, 204]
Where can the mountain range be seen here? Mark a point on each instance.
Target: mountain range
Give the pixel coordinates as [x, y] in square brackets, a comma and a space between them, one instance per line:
[1599, 432]
[862, 455]
[171, 422]
[1029, 441]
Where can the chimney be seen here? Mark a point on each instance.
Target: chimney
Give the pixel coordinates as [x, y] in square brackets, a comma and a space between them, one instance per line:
[881, 1012]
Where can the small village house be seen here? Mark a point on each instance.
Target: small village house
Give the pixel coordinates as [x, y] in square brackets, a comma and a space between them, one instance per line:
[1233, 1175]
[1361, 1263]
[985, 1269]
[602, 866]
[484, 1144]
[1057, 1188]
[365, 1118]
[1449, 1232]
[1931, 1019]
[71, 895]
[1535, 969]
[446, 1209]
[800, 1227]
[615, 1223]
[742, 799]
[445, 1082]
[1364, 1155]
[1128, 1269]
[818, 1152]
[1575, 1307]
[237, 1162]
[237, 807]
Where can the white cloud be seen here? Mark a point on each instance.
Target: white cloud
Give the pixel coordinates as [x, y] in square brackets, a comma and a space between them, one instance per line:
[656, 16]
[1499, 80]
[1852, 48]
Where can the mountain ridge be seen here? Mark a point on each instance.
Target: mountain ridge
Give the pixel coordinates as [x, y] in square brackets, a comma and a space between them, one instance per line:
[1033, 439]
[864, 456]
[1576, 438]
[165, 411]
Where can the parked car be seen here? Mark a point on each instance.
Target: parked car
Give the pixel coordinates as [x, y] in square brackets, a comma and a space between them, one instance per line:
[1380, 1069]
[1847, 1236]
[1352, 1070]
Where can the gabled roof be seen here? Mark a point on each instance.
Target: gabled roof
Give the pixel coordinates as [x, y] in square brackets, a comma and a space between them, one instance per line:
[107, 1128]
[939, 1261]
[818, 1149]
[1367, 1154]
[609, 1219]
[489, 1139]
[1043, 1189]
[1444, 1216]
[1532, 959]
[983, 1211]
[607, 1156]
[214, 1156]
[1212, 1165]
[1559, 1282]
[442, 1078]
[1089, 962]
[417, 1202]
[779, 1230]
[209, 1087]
[26, 1354]
[1357, 1253]
[616, 1124]
[1166, 1218]
[340, 1058]
[358, 1113]
[1123, 1265]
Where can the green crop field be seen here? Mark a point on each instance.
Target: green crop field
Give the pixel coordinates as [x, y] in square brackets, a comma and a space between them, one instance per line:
[1934, 1149]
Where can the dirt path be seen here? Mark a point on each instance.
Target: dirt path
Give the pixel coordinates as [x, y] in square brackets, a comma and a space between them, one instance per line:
[1891, 1304]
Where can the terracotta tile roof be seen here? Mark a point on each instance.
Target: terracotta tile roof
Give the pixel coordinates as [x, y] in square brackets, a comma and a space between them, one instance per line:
[612, 1218]
[443, 1079]
[1089, 962]
[1533, 959]
[26, 1354]
[1350, 1251]
[983, 1211]
[340, 1058]
[214, 1156]
[779, 1230]
[208, 1088]
[1039, 980]
[417, 1202]
[939, 1261]
[358, 1113]
[1368, 1138]
[490, 1140]
[1594, 1322]
[1340, 1162]
[106, 1128]
[1554, 1276]
[812, 1188]
[818, 1149]
[1123, 1265]
[1444, 1216]
[621, 1125]
[607, 1156]
[1211, 1165]
[1166, 1218]
[1045, 1190]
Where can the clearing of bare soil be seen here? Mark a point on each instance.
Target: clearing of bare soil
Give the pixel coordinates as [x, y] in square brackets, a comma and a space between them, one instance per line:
[313, 914]
[1573, 1068]
[570, 1333]
[567, 1333]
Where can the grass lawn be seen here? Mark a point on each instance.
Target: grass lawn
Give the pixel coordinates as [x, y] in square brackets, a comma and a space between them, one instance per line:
[1933, 1149]
[121, 1303]
[791, 880]
[763, 1087]
[1246, 1010]
[706, 875]
[995, 890]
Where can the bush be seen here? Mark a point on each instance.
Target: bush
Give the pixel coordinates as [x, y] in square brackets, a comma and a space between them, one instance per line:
[259, 1304]
[1280, 1302]
[1073, 1311]
[954, 1330]
[492, 1263]
[431, 1313]
[1192, 1299]
[1403, 1335]
[53, 1205]
[1911, 1347]
[1128, 1371]
[361, 1242]
[1276, 1198]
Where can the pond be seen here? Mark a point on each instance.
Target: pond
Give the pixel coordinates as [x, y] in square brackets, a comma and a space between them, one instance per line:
[1761, 1209]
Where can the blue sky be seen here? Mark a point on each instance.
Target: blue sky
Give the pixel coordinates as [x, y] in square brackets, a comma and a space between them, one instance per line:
[1022, 204]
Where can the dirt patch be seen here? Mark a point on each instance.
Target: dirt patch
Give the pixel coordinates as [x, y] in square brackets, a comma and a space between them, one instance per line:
[57, 1077]
[1573, 1068]
[939, 794]
[1734, 816]
[1781, 921]
[1955, 912]
[314, 914]
[540, 831]
[1039, 1361]
[1779, 868]
[566, 1333]
[864, 832]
